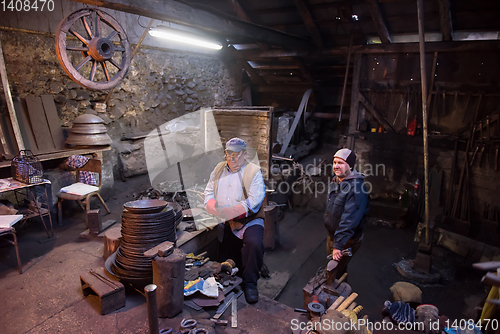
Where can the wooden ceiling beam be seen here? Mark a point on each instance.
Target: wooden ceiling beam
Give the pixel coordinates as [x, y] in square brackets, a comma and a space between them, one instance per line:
[456, 46]
[445, 19]
[378, 21]
[252, 73]
[276, 67]
[305, 71]
[309, 22]
[201, 17]
[292, 88]
[240, 12]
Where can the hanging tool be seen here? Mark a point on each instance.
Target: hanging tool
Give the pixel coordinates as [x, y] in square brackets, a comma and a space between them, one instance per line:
[444, 102]
[399, 109]
[474, 155]
[407, 109]
[488, 127]
[466, 106]
[496, 158]
[481, 153]
[455, 101]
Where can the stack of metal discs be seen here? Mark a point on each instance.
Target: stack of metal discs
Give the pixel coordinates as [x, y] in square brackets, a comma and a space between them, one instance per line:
[88, 130]
[145, 224]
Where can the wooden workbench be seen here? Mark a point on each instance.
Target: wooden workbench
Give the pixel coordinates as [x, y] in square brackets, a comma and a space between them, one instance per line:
[194, 242]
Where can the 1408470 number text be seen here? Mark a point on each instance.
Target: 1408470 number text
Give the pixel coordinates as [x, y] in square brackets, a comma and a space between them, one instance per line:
[27, 5]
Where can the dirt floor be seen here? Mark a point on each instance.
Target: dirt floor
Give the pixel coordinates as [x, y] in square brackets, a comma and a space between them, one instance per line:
[47, 296]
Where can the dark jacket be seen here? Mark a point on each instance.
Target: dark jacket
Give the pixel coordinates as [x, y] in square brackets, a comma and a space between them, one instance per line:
[346, 209]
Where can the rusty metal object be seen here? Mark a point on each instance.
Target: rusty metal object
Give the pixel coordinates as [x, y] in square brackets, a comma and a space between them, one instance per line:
[88, 130]
[150, 291]
[100, 56]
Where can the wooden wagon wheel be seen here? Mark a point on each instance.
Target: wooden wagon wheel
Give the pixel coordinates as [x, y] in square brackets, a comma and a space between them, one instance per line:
[99, 57]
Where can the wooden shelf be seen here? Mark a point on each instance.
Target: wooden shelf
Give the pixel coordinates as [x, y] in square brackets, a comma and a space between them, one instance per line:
[63, 154]
[28, 213]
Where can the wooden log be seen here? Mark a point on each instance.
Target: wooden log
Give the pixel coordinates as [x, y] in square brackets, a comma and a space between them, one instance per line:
[347, 302]
[112, 239]
[336, 303]
[168, 275]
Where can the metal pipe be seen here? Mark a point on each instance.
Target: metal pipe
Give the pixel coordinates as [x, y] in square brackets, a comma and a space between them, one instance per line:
[150, 291]
[421, 41]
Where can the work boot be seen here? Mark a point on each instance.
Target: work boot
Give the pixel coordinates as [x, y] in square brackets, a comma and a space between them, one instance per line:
[251, 294]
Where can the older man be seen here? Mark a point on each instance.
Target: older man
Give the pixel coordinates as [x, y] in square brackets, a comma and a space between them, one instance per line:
[235, 193]
[346, 208]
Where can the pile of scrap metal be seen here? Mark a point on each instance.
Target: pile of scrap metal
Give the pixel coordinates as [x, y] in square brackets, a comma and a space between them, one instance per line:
[200, 267]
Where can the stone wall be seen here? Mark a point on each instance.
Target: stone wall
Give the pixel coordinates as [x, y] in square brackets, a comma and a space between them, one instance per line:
[160, 86]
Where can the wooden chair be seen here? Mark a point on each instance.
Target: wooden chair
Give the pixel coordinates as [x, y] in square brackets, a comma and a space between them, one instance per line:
[6, 229]
[93, 165]
[10, 231]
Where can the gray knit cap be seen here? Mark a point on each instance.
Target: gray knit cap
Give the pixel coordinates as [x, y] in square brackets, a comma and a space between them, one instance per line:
[347, 155]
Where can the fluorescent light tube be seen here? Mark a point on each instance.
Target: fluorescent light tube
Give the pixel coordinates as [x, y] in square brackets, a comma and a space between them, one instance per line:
[184, 37]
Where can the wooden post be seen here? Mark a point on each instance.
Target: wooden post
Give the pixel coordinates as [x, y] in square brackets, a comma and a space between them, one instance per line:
[420, 11]
[112, 239]
[10, 106]
[168, 275]
[346, 74]
[353, 118]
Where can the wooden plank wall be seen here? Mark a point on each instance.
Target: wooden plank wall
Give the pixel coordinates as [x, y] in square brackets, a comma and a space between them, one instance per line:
[252, 124]
[40, 125]
[53, 121]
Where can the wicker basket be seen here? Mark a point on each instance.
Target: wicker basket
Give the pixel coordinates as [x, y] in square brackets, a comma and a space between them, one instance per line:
[26, 168]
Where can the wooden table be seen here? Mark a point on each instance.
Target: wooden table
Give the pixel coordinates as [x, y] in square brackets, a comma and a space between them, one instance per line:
[9, 184]
[193, 242]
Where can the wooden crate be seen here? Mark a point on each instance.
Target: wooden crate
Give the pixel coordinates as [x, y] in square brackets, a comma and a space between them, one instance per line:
[253, 125]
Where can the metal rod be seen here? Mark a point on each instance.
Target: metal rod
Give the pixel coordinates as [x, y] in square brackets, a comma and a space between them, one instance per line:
[150, 291]
[104, 279]
[421, 41]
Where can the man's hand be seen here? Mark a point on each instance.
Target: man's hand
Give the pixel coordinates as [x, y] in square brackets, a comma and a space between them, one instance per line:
[336, 254]
[211, 207]
[233, 212]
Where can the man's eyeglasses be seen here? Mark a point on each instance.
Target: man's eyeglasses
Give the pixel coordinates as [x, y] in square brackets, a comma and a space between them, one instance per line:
[233, 155]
